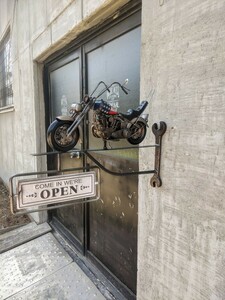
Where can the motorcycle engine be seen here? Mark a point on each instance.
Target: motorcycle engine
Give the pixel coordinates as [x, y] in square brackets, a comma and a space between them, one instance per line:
[99, 126]
[104, 125]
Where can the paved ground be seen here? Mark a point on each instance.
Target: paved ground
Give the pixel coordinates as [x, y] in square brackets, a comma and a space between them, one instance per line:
[7, 219]
[35, 266]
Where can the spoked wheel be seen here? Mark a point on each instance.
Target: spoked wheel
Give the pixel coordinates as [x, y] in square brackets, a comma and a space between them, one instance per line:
[57, 136]
[138, 133]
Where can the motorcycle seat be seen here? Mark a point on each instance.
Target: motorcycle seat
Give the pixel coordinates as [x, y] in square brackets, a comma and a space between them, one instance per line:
[134, 113]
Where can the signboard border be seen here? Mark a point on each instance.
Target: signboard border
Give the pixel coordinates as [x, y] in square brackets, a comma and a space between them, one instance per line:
[65, 199]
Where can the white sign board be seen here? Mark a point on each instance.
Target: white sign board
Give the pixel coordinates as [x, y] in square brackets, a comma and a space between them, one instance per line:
[56, 189]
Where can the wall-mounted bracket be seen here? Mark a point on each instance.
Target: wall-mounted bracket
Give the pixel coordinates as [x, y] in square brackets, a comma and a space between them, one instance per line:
[87, 152]
[155, 180]
[50, 189]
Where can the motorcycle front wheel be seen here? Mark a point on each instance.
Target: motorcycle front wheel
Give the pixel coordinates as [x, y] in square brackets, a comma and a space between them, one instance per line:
[57, 137]
[138, 133]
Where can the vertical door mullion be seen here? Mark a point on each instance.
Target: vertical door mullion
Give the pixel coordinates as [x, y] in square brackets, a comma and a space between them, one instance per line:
[85, 145]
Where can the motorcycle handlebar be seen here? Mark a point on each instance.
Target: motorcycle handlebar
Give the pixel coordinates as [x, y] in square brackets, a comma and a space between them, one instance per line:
[107, 88]
[122, 87]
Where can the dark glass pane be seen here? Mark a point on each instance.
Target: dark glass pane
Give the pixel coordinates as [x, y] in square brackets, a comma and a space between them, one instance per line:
[113, 222]
[65, 90]
[117, 60]
[113, 219]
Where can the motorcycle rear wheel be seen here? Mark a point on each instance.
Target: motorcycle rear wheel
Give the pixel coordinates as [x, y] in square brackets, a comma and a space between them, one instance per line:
[58, 139]
[138, 133]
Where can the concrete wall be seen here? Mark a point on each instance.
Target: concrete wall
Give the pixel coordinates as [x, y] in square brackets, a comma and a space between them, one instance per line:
[181, 245]
[38, 29]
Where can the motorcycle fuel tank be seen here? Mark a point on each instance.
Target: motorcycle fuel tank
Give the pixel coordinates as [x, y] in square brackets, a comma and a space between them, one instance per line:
[104, 107]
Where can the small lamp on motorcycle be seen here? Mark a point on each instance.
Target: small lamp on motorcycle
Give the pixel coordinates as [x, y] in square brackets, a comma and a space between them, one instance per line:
[77, 107]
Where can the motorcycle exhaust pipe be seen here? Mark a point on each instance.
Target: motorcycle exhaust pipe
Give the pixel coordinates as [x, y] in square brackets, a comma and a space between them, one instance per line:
[123, 133]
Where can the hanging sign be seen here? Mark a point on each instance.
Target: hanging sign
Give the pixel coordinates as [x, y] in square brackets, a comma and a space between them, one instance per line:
[56, 189]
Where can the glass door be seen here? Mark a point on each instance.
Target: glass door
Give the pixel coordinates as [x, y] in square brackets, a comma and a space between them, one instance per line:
[105, 230]
[112, 231]
[65, 89]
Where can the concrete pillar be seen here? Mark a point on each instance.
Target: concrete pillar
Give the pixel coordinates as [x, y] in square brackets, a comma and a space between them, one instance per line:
[181, 242]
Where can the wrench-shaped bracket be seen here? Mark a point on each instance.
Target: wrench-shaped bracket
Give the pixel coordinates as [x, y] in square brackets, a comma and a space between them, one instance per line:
[158, 132]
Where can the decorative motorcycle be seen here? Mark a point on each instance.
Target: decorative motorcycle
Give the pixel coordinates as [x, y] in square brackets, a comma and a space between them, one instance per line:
[108, 124]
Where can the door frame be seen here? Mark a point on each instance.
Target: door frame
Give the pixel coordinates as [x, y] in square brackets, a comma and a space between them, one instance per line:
[128, 20]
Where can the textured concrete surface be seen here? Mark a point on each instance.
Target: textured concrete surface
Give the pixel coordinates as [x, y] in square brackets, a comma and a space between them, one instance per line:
[21, 235]
[42, 269]
[181, 242]
[68, 283]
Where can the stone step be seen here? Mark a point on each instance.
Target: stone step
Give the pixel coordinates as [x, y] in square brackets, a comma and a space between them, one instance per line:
[21, 235]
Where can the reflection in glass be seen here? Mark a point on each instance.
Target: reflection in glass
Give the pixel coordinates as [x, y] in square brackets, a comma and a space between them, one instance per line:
[116, 61]
[65, 88]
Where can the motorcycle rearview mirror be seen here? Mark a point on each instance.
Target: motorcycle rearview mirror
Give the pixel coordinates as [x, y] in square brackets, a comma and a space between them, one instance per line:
[125, 81]
[125, 90]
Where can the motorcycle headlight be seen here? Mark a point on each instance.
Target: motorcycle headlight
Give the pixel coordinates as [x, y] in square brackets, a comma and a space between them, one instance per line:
[77, 107]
